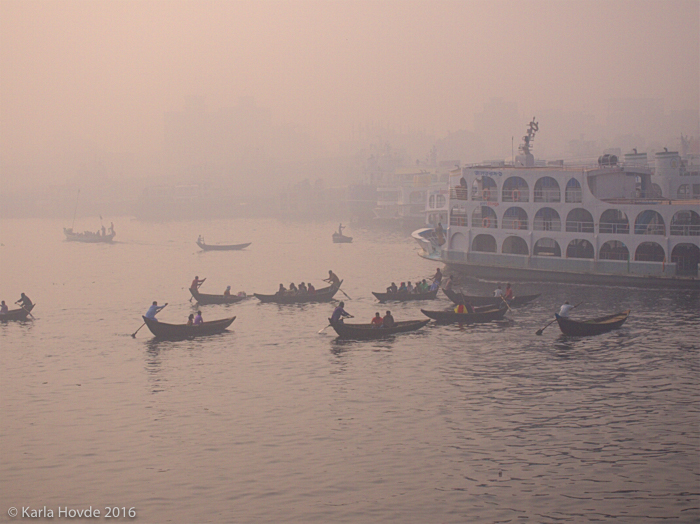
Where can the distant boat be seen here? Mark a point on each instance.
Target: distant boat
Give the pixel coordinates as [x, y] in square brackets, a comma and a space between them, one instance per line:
[179, 331]
[486, 314]
[371, 332]
[325, 294]
[88, 236]
[405, 296]
[17, 314]
[517, 301]
[221, 247]
[339, 238]
[205, 298]
[596, 326]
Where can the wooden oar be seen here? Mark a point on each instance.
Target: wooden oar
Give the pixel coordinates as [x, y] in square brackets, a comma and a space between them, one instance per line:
[133, 335]
[540, 331]
[30, 313]
[344, 293]
[506, 302]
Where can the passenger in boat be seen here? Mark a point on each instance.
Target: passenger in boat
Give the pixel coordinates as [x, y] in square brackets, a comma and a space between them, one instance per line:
[498, 292]
[153, 310]
[388, 320]
[190, 320]
[402, 288]
[426, 287]
[24, 302]
[464, 307]
[196, 283]
[434, 286]
[198, 319]
[227, 292]
[332, 278]
[282, 290]
[438, 276]
[3, 308]
[392, 288]
[311, 290]
[409, 287]
[302, 289]
[338, 313]
[449, 283]
[509, 293]
[564, 309]
[377, 320]
[293, 289]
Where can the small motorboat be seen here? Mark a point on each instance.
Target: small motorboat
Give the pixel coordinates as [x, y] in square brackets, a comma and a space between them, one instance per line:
[179, 331]
[596, 326]
[371, 332]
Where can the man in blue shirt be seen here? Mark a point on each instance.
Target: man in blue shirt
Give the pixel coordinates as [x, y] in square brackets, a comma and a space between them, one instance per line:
[338, 313]
[153, 310]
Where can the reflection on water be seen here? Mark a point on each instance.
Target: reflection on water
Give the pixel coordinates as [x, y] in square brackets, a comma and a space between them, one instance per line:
[274, 422]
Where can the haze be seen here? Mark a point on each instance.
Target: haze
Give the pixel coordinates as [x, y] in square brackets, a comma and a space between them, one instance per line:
[87, 84]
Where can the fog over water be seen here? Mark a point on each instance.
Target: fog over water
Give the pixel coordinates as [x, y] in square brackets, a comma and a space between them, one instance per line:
[122, 90]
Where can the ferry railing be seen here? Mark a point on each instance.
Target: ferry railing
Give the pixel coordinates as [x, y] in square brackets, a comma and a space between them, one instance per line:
[574, 226]
[516, 195]
[489, 194]
[649, 229]
[547, 195]
[459, 193]
[687, 230]
[541, 224]
[621, 228]
[514, 223]
[458, 219]
[574, 196]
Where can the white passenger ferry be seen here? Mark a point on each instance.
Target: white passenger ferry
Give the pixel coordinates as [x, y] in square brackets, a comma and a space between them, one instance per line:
[615, 222]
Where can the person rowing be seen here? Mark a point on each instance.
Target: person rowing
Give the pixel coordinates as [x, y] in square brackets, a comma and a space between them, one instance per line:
[338, 314]
[332, 279]
[24, 302]
[153, 310]
[196, 283]
[565, 309]
[509, 293]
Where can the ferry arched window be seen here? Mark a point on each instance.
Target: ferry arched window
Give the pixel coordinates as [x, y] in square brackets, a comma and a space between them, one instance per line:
[484, 244]
[650, 252]
[649, 222]
[614, 250]
[580, 248]
[459, 242]
[574, 194]
[515, 218]
[484, 216]
[686, 223]
[684, 192]
[547, 190]
[686, 257]
[458, 216]
[579, 221]
[440, 201]
[546, 247]
[614, 221]
[515, 246]
[431, 202]
[547, 219]
[484, 189]
[515, 189]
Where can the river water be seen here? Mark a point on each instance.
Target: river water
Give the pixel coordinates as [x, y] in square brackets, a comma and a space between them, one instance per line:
[274, 422]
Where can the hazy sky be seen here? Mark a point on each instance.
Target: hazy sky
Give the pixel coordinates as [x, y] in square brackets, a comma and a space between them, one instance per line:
[104, 72]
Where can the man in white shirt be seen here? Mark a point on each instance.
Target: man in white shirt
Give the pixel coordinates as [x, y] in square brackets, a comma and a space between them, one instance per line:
[564, 310]
[498, 292]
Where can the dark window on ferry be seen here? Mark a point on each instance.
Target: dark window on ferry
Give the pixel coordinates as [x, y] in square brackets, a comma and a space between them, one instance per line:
[580, 249]
[574, 193]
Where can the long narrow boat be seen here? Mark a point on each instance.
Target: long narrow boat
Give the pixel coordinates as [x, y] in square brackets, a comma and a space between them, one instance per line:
[176, 331]
[341, 239]
[205, 298]
[480, 315]
[222, 247]
[517, 301]
[405, 297]
[596, 326]
[87, 237]
[369, 332]
[17, 314]
[324, 294]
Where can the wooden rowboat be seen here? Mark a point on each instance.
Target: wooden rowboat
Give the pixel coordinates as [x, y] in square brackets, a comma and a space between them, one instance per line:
[222, 247]
[324, 294]
[405, 297]
[17, 314]
[596, 326]
[341, 239]
[205, 298]
[480, 315]
[178, 331]
[518, 301]
[370, 332]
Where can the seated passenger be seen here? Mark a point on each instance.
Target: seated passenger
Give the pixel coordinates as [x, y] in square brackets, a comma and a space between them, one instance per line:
[392, 288]
[403, 288]
[227, 293]
[388, 320]
[190, 320]
[377, 320]
[310, 289]
[198, 319]
[302, 288]
[282, 290]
